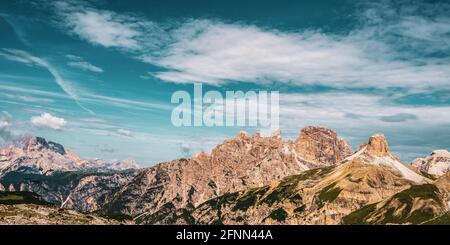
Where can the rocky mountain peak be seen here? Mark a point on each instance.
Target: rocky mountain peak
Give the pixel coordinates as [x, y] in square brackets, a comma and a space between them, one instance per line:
[437, 163]
[320, 144]
[378, 145]
[243, 135]
[40, 156]
[440, 153]
[277, 133]
[376, 152]
[39, 143]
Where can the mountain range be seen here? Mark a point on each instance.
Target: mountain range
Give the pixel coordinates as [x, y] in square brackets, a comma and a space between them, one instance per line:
[248, 179]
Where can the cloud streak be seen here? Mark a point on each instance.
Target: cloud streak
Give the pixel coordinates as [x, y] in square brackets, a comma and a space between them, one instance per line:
[86, 66]
[26, 58]
[80, 63]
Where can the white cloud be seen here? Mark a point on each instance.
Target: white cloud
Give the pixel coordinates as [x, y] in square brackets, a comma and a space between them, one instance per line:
[85, 66]
[80, 63]
[4, 124]
[377, 54]
[106, 28]
[46, 120]
[217, 53]
[125, 132]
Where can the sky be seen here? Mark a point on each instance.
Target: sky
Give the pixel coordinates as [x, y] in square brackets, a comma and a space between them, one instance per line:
[98, 76]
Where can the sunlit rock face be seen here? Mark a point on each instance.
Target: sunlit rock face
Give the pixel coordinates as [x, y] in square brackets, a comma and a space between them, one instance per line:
[239, 163]
[438, 163]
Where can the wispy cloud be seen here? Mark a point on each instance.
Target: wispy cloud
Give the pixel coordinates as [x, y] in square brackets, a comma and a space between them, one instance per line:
[26, 98]
[85, 66]
[378, 53]
[80, 63]
[106, 28]
[26, 58]
[207, 51]
[125, 132]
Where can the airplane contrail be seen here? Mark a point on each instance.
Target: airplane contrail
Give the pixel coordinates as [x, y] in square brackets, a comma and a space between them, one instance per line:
[24, 57]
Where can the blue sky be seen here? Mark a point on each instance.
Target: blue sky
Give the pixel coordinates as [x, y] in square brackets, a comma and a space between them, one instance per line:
[97, 76]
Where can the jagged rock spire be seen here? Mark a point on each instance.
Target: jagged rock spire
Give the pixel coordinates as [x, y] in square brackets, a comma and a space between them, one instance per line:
[378, 145]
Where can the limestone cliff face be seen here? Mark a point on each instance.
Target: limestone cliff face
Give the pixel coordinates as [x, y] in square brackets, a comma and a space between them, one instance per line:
[321, 145]
[248, 179]
[320, 196]
[237, 164]
[378, 146]
[438, 163]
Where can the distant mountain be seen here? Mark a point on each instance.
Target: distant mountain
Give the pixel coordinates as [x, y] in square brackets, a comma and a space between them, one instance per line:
[59, 175]
[237, 164]
[38, 156]
[438, 163]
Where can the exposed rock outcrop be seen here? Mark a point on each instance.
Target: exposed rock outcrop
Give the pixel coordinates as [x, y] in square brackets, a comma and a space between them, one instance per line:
[320, 196]
[237, 164]
[321, 145]
[438, 163]
[378, 146]
[376, 152]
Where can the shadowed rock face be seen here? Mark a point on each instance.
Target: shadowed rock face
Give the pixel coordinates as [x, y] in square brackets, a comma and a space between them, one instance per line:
[239, 163]
[38, 143]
